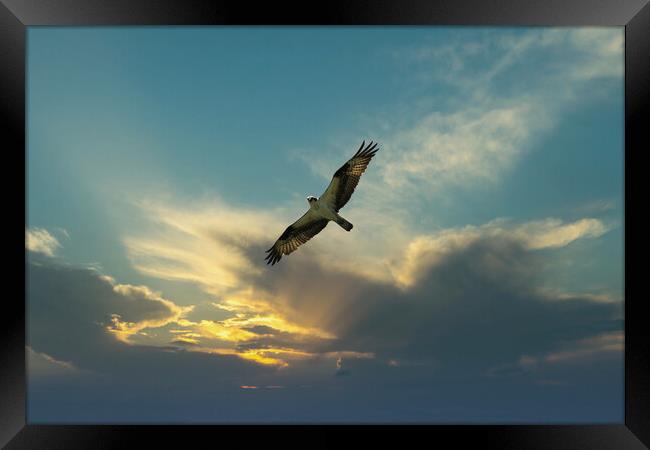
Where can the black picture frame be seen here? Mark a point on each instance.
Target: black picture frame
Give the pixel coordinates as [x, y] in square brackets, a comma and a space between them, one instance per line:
[16, 15]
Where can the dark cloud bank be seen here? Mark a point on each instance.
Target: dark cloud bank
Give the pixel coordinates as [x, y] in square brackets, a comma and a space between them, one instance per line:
[446, 350]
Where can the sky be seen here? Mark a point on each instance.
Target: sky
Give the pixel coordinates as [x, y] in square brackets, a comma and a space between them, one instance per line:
[483, 279]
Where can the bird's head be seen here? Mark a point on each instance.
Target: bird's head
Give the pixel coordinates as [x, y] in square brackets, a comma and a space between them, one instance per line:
[311, 199]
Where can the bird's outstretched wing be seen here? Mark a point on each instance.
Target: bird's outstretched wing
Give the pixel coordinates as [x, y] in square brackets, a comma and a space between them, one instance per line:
[296, 234]
[345, 179]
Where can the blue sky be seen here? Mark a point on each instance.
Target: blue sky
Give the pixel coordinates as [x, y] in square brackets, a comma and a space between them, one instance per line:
[163, 161]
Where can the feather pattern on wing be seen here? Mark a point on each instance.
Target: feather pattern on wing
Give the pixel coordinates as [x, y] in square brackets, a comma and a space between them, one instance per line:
[296, 234]
[345, 179]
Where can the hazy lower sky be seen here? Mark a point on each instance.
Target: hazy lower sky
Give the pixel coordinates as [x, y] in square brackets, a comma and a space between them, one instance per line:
[483, 279]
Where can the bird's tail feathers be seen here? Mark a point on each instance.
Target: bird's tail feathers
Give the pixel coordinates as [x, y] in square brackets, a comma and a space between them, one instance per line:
[347, 226]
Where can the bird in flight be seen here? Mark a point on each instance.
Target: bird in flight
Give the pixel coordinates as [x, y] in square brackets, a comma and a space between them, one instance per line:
[326, 208]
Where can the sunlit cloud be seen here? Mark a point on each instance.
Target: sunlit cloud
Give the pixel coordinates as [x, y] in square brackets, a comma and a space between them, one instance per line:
[425, 251]
[241, 336]
[552, 233]
[266, 325]
[273, 356]
[472, 142]
[269, 320]
[40, 240]
[219, 246]
[205, 244]
[555, 294]
[168, 312]
[431, 291]
[285, 335]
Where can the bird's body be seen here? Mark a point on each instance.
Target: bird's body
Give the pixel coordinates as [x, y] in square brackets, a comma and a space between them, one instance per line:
[320, 209]
[326, 208]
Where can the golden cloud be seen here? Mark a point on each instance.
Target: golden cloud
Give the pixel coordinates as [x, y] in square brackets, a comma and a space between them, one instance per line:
[216, 246]
[169, 312]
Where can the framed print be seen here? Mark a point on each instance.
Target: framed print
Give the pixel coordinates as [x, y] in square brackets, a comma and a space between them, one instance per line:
[419, 216]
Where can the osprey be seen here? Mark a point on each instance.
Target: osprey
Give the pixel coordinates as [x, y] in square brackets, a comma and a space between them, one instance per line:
[326, 208]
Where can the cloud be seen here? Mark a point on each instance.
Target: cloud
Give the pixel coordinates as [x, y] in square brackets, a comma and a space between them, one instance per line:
[481, 137]
[588, 347]
[194, 243]
[456, 280]
[472, 306]
[70, 305]
[475, 306]
[39, 240]
[41, 364]
[594, 297]
[603, 53]
[468, 143]
[425, 251]
[552, 233]
[71, 331]
[406, 306]
[306, 309]
[472, 145]
[138, 308]
[579, 352]
[102, 311]
[591, 52]
[507, 89]
[596, 206]
[204, 245]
